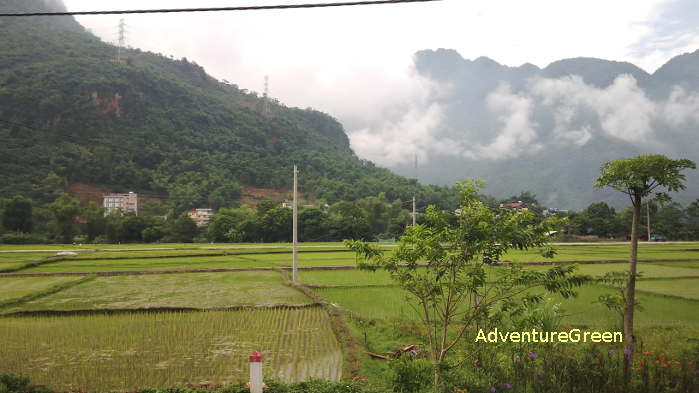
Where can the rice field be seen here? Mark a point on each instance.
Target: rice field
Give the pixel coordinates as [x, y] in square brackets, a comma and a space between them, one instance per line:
[114, 338]
[14, 288]
[128, 351]
[153, 291]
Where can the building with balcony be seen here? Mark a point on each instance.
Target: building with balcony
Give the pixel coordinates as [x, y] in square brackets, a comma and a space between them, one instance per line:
[126, 203]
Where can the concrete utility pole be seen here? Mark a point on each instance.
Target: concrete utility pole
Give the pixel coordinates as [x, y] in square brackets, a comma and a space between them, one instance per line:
[413, 210]
[648, 218]
[295, 238]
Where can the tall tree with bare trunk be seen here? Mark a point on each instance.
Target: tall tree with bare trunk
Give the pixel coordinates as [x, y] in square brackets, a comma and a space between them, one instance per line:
[639, 177]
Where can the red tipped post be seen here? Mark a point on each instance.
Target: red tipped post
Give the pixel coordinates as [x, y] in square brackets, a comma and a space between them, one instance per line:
[255, 372]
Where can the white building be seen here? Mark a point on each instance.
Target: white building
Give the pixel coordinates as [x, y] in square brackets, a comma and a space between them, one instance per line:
[200, 216]
[126, 203]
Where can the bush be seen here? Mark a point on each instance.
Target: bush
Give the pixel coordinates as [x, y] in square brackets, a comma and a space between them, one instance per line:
[411, 376]
[23, 238]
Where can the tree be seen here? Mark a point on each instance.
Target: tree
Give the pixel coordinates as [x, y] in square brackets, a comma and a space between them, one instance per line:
[17, 215]
[456, 291]
[313, 225]
[638, 177]
[602, 220]
[692, 213]
[277, 224]
[96, 223]
[181, 230]
[65, 210]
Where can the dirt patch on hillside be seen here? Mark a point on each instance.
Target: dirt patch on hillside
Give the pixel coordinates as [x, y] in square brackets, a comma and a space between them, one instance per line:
[253, 195]
[86, 193]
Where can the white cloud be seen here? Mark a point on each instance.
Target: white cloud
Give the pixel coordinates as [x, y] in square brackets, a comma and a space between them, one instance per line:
[518, 133]
[681, 107]
[623, 110]
[413, 133]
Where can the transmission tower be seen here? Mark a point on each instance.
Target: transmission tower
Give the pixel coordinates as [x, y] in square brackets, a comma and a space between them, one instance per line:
[122, 38]
[266, 96]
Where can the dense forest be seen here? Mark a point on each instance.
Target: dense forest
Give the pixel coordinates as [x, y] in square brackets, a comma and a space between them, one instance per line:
[71, 112]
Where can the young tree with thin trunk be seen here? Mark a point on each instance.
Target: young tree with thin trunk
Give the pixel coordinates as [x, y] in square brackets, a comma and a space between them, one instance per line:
[442, 264]
[638, 177]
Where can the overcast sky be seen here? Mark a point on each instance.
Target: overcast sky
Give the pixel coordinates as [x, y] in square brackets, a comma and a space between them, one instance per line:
[355, 62]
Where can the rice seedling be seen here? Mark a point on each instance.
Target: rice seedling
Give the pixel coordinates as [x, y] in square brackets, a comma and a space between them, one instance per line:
[130, 351]
[192, 290]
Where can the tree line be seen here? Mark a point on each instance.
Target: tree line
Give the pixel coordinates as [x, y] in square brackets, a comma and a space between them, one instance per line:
[63, 220]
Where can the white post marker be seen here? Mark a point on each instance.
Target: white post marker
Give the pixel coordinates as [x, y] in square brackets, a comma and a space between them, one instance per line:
[256, 372]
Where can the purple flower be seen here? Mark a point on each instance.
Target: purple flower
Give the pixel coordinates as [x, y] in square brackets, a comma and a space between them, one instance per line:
[533, 355]
[696, 372]
[627, 352]
[612, 352]
[493, 389]
[517, 358]
[508, 385]
[539, 373]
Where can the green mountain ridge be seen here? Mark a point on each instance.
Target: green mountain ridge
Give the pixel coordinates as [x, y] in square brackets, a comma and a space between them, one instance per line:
[158, 125]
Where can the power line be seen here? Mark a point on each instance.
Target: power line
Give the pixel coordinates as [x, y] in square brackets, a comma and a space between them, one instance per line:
[218, 9]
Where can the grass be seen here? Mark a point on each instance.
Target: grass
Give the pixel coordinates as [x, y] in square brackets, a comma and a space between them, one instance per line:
[647, 270]
[371, 303]
[14, 261]
[599, 252]
[346, 277]
[129, 351]
[13, 288]
[690, 265]
[685, 288]
[95, 265]
[193, 290]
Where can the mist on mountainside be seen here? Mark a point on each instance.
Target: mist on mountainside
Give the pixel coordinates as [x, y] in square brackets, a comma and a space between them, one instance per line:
[542, 130]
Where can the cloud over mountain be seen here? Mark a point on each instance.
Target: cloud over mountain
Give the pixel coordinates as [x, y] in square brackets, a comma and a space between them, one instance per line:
[478, 117]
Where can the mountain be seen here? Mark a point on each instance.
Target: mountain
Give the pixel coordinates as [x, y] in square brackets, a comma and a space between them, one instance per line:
[71, 111]
[549, 130]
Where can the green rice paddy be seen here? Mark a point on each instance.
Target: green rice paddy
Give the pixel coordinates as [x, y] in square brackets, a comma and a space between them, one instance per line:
[122, 332]
[129, 351]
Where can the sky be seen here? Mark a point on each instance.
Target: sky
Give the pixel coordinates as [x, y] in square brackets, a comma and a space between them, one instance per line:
[355, 63]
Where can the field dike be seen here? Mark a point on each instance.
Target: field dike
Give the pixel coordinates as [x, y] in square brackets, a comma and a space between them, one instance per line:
[350, 347]
[44, 313]
[44, 293]
[44, 261]
[16, 272]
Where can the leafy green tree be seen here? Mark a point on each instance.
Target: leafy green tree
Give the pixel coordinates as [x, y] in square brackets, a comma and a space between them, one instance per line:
[692, 213]
[152, 207]
[95, 221]
[313, 225]
[264, 206]
[153, 234]
[276, 224]
[181, 230]
[17, 214]
[602, 220]
[130, 227]
[670, 221]
[52, 186]
[455, 292]
[65, 210]
[236, 225]
[347, 221]
[638, 177]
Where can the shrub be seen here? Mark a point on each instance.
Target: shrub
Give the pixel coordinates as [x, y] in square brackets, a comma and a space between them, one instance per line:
[23, 238]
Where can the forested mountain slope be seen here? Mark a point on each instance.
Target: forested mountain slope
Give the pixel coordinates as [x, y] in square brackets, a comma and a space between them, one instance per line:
[157, 125]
